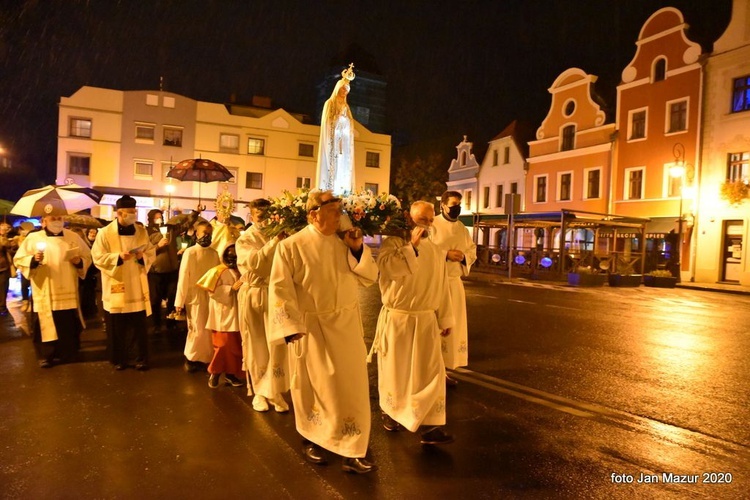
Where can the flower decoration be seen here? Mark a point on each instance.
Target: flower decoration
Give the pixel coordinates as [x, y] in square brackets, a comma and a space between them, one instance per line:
[287, 213]
[374, 214]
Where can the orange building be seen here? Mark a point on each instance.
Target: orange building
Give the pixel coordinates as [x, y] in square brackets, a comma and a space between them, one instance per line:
[658, 126]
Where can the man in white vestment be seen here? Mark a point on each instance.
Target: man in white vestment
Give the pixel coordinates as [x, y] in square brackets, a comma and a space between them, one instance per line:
[197, 260]
[54, 259]
[266, 365]
[461, 252]
[313, 304]
[123, 253]
[416, 312]
[336, 145]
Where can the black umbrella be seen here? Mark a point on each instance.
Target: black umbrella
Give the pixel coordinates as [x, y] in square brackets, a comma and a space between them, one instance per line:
[200, 170]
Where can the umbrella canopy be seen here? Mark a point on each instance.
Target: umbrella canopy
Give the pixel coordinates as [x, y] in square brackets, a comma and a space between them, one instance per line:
[81, 220]
[56, 200]
[5, 206]
[183, 219]
[200, 170]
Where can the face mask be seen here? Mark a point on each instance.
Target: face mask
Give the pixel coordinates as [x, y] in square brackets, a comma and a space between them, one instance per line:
[129, 219]
[204, 241]
[231, 261]
[426, 232]
[55, 226]
[157, 222]
[454, 212]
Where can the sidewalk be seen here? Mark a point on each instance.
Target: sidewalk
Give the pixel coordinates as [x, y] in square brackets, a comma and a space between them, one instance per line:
[709, 287]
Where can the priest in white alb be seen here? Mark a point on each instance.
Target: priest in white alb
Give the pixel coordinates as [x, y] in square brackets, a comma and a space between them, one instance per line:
[416, 312]
[266, 365]
[314, 305]
[123, 253]
[452, 237]
[197, 260]
[54, 259]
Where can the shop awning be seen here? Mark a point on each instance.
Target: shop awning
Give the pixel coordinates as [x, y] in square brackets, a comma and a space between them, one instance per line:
[660, 227]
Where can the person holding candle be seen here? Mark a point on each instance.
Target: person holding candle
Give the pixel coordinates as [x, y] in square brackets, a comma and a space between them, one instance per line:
[54, 259]
[164, 273]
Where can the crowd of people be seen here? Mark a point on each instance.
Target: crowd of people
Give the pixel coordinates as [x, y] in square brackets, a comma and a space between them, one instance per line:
[275, 315]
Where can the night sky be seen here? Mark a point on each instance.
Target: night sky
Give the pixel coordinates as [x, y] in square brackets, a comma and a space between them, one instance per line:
[453, 67]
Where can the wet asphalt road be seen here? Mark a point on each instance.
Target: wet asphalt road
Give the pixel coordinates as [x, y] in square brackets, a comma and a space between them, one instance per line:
[565, 388]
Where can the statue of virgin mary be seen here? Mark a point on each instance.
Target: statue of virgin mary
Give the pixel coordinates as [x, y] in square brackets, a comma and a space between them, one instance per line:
[336, 148]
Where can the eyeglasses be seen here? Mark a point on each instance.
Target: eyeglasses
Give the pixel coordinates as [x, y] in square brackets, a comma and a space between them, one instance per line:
[324, 203]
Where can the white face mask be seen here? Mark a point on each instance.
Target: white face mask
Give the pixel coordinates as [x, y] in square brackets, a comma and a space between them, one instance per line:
[129, 219]
[55, 226]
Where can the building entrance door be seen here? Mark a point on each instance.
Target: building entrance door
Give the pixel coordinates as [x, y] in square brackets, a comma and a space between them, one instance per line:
[732, 251]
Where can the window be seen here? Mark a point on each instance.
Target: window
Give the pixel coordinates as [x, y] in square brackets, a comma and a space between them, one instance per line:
[741, 94]
[738, 167]
[372, 159]
[306, 150]
[80, 127]
[235, 173]
[499, 196]
[371, 187]
[593, 183]
[677, 116]
[564, 181]
[144, 168]
[660, 69]
[229, 143]
[494, 158]
[674, 184]
[570, 108]
[173, 137]
[79, 164]
[144, 132]
[634, 186]
[256, 146]
[506, 155]
[486, 197]
[463, 158]
[513, 188]
[467, 199]
[568, 138]
[254, 180]
[165, 168]
[303, 182]
[540, 188]
[638, 124]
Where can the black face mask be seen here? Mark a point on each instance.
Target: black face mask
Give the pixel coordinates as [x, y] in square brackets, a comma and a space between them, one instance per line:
[204, 241]
[231, 261]
[454, 212]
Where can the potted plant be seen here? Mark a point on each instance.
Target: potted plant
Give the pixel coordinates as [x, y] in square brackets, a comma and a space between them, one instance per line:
[625, 278]
[585, 276]
[661, 278]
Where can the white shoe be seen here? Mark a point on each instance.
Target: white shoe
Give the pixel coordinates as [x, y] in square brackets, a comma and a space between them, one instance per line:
[279, 404]
[260, 403]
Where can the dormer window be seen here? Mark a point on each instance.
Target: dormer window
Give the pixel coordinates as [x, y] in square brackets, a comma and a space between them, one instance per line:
[463, 158]
[660, 69]
[568, 138]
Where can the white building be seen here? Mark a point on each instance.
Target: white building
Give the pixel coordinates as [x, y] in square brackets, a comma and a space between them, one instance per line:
[125, 142]
[722, 252]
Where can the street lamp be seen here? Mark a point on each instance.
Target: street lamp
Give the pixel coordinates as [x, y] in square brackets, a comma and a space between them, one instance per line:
[170, 189]
[677, 171]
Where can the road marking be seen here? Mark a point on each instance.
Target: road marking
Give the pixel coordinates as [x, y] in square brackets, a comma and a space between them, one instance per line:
[481, 295]
[694, 439]
[521, 301]
[563, 307]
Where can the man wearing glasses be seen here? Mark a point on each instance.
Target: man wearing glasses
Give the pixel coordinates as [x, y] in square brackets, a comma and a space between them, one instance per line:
[313, 306]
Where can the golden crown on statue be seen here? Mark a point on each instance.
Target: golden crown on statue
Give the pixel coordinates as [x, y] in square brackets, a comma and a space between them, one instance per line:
[348, 73]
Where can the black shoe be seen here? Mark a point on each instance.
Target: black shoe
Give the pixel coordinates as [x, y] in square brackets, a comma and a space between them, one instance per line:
[192, 366]
[357, 465]
[45, 363]
[389, 424]
[142, 367]
[436, 435]
[233, 381]
[314, 454]
[213, 380]
[119, 367]
[450, 382]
